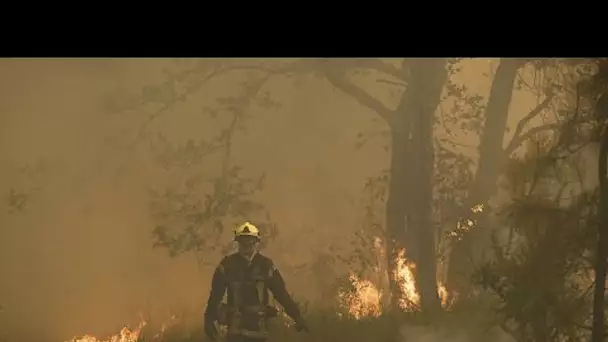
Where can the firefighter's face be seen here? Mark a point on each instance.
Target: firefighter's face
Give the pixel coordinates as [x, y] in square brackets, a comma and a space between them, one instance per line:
[247, 244]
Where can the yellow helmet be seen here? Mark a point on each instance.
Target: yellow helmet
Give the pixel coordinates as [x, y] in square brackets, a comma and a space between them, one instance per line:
[247, 229]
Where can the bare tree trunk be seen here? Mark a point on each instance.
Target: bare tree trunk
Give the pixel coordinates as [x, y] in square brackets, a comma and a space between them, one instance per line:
[602, 244]
[491, 160]
[429, 77]
[491, 155]
[397, 202]
[411, 175]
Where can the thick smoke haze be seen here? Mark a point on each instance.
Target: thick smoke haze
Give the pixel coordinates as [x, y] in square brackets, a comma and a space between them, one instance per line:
[76, 255]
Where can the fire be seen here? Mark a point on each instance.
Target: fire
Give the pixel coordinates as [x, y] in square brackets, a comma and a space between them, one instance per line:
[465, 225]
[478, 208]
[125, 335]
[365, 298]
[444, 295]
[405, 279]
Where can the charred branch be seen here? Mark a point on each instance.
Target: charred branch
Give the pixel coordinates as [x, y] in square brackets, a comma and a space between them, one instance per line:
[519, 136]
[367, 63]
[378, 65]
[520, 139]
[396, 83]
[340, 81]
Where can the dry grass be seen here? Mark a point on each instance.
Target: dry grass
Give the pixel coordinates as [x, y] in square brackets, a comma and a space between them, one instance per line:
[466, 322]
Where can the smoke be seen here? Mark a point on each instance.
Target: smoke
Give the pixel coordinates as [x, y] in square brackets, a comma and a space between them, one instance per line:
[75, 242]
[76, 251]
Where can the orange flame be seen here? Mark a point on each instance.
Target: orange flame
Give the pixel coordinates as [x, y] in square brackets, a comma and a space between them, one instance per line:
[404, 277]
[364, 300]
[125, 335]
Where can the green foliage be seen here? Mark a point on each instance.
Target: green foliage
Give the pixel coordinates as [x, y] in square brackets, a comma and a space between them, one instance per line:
[210, 191]
[453, 178]
[192, 216]
[202, 217]
[367, 241]
[543, 282]
[466, 114]
[540, 273]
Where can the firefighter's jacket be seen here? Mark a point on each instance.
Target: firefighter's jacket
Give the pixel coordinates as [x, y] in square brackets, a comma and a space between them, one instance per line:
[246, 284]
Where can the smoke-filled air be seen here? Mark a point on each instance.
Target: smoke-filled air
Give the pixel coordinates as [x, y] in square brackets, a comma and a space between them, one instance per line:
[401, 200]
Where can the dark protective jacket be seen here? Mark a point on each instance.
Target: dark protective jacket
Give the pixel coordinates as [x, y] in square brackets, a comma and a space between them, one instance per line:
[246, 284]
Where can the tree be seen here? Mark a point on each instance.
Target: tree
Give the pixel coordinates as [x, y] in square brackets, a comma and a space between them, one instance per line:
[192, 213]
[598, 89]
[427, 78]
[554, 86]
[412, 152]
[541, 272]
[409, 222]
[492, 154]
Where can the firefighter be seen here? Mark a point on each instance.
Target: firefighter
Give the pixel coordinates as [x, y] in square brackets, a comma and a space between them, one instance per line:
[247, 277]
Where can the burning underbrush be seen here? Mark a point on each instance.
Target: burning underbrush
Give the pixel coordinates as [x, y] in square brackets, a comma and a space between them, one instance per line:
[362, 299]
[142, 331]
[125, 335]
[365, 298]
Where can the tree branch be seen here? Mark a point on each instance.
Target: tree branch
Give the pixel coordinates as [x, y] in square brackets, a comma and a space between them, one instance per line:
[447, 150]
[297, 65]
[378, 65]
[452, 142]
[517, 135]
[397, 83]
[195, 88]
[517, 141]
[370, 64]
[338, 80]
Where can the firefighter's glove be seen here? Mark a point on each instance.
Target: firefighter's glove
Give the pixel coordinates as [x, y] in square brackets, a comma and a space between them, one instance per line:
[301, 325]
[210, 329]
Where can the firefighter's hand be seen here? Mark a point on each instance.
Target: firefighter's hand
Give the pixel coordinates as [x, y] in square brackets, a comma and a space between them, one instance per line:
[210, 330]
[301, 325]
